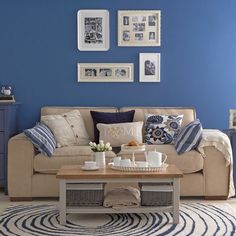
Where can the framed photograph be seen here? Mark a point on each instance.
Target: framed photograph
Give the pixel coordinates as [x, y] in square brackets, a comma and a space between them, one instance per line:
[105, 72]
[139, 28]
[232, 118]
[149, 67]
[93, 30]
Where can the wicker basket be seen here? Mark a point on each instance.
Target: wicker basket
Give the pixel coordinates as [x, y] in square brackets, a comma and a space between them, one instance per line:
[152, 196]
[85, 195]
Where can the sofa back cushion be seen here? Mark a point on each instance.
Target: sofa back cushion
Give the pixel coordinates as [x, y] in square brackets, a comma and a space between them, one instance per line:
[84, 111]
[189, 113]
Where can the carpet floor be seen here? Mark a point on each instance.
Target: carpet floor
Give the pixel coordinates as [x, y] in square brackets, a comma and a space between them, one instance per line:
[195, 219]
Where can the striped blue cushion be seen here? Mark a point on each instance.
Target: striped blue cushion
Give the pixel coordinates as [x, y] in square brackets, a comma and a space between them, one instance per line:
[42, 138]
[189, 137]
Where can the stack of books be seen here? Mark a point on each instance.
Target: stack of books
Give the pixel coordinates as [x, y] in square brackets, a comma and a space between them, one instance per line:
[7, 98]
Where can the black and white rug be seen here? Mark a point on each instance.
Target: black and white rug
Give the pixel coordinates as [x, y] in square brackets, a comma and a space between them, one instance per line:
[195, 219]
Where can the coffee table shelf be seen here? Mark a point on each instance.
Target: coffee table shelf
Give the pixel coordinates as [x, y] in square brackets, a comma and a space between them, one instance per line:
[69, 175]
[105, 210]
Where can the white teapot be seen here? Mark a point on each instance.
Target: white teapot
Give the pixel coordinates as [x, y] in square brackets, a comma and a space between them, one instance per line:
[6, 90]
[154, 158]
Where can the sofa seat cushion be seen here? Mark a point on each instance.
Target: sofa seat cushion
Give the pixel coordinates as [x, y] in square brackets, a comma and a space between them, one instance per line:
[189, 162]
[65, 156]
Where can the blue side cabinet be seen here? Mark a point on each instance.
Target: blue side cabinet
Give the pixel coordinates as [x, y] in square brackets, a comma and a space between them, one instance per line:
[8, 128]
[232, 136]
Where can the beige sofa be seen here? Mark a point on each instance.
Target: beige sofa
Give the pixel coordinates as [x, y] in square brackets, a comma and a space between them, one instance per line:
[31, 174]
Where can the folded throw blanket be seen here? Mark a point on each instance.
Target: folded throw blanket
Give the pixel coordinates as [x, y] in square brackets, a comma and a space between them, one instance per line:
[122, 197]
[219, 140]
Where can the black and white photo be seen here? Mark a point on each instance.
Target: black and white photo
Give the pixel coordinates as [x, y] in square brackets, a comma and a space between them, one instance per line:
[138, 36]
[232, 118]
[93, 30]
[135, 19]
[125, 20]
[144, 18]
[151, 20]
[91, 72]
[152, 36]
[149, 67]
[139, 27]
[105, 72]
[126, 35]
[120, 73]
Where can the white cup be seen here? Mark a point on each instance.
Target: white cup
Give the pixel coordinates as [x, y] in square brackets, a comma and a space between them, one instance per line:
[116, 161]
[141, 163]
[125, 162]
[90, 164]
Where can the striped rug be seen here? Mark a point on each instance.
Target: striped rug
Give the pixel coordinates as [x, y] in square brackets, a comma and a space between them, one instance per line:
[195, 219]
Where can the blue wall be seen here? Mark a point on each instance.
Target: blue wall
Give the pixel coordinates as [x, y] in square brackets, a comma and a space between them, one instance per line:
[38, 56]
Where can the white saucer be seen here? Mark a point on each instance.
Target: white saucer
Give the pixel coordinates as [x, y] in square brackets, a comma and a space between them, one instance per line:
[86, 168]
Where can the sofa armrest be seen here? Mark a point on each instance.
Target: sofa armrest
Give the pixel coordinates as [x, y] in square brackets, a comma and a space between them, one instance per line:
[20, 166]
[216, 174]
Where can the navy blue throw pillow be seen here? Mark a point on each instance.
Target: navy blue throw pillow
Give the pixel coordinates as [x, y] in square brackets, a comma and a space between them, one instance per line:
[110, 118]
[42, 138]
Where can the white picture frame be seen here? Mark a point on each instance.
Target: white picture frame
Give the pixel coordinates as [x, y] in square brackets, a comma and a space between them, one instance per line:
[93, 31]
[149, 67]
[105, 72]
[232, 118]
[139, 28]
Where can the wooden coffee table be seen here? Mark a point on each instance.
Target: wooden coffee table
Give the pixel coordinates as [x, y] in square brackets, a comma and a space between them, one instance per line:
[74, 174]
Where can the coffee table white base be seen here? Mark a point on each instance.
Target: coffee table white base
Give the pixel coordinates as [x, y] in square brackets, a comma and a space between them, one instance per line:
[174, 208]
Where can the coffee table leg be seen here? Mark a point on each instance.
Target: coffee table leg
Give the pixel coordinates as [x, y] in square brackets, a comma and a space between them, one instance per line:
[176, 194]
[62, 204]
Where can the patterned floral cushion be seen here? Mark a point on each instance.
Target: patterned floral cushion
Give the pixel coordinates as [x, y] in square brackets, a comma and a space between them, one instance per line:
[162, 129]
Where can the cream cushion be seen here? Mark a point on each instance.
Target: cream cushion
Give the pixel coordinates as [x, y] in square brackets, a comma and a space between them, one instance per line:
[74, 155]
[189, 162]
[68, 128]
[120, 133]
[84, 111]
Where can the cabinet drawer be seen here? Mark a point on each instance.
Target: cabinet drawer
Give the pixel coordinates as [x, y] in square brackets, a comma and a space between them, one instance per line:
[1, 120]
[2, 142]
[2, 168]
